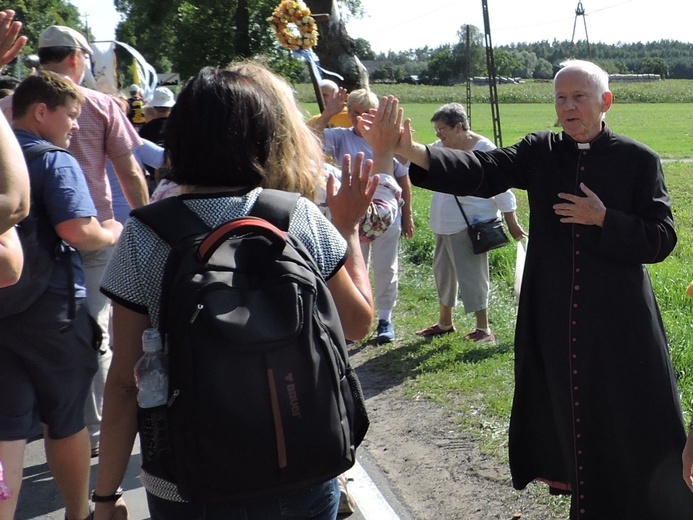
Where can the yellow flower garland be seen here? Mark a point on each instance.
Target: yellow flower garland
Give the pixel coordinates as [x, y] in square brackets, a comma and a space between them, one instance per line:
[294, 26]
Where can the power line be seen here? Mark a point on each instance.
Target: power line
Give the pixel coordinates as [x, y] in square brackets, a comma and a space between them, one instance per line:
[417, 19]
[557, 21]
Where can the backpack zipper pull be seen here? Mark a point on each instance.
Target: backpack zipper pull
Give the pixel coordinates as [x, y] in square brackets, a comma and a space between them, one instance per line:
[197, 311]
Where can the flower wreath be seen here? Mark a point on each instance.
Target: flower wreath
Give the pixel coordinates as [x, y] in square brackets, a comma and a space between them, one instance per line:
[294, 26]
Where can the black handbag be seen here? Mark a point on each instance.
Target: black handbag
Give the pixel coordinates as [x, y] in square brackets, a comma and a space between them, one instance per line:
[485, 235]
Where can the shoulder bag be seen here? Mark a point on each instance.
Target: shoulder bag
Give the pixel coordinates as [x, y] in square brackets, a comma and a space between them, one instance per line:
[485, 235]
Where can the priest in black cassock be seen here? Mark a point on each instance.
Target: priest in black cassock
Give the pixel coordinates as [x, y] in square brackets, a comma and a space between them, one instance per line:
[596, 412]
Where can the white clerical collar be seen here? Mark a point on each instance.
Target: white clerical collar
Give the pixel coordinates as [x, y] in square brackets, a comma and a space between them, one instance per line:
[583, 146]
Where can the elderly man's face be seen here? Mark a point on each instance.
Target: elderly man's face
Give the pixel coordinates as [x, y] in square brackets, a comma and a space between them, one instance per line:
[579, 105]
[326, 92]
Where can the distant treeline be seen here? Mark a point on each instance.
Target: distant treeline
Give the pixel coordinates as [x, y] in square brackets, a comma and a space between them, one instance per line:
[453, 63]
[669, 58]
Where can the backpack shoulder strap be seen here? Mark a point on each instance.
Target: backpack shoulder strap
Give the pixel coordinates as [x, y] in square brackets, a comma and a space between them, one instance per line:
[276, 206]
[171, 219]
[61, 252]
[174, 222]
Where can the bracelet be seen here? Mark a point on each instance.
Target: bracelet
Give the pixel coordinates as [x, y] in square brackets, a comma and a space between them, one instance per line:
[109, 498]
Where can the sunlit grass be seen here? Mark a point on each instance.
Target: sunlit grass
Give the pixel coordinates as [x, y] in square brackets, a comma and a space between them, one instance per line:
[666, 91]
[664, 127]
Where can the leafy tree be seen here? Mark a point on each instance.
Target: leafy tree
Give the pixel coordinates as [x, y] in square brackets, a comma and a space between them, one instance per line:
[527, 62]
[36, 15]
[363, 49]
[620, 58]
[441, 68]
[216, 32]
[182, 35]
[543, 69]
[149, 27]
[506, 62]
[654, 66]
[681, 69]
[471, 55]
[615, 66]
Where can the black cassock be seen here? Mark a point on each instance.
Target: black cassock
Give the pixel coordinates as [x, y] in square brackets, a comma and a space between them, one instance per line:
[596, 410]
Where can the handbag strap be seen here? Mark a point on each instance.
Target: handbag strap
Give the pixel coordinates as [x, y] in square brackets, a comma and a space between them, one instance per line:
[462, 210]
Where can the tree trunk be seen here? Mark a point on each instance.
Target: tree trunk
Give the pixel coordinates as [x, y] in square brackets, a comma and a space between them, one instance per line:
[336, 49]
[242, 40]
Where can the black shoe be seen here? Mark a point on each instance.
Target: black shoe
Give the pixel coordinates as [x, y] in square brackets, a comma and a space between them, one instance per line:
[386, 332]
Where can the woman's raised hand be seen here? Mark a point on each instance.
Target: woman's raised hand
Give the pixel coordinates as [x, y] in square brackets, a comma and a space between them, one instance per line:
[349, 203]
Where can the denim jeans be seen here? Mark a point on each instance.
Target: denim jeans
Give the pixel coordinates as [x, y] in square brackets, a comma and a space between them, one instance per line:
[320, 502]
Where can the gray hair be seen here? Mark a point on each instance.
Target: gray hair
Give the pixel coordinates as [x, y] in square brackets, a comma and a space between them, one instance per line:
[596, 76]
[452, 114]
[328, 83]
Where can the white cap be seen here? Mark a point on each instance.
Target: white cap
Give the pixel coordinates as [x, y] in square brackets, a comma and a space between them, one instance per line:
[151, 340]
[61, 36]
[162, 97]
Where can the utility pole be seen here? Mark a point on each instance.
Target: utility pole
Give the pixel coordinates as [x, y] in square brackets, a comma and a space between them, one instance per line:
[491, 66]
[86, 24]
[580, 11]
[469, 77]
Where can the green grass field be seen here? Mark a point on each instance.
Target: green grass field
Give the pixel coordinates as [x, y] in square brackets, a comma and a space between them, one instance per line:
[666, 91]
[477, 382]
[665, 127]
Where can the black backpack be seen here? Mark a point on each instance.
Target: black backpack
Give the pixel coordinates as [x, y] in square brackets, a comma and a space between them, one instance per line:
[41, 245]
[263, 400]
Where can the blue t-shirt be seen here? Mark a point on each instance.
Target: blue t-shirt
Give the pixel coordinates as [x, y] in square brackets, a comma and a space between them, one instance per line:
[59, 187]
[341, 141]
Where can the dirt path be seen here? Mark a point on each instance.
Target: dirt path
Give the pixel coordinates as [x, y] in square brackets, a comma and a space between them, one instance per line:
[433, 468]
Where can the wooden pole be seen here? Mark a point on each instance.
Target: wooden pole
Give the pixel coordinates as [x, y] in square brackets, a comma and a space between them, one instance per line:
[313, 70]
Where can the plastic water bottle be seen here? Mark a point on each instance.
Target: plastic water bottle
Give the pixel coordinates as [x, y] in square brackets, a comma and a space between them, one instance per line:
[4, 490]
[151, 372]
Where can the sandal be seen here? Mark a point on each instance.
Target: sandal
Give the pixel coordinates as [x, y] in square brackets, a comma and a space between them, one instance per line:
[347, 503]
[434, 330]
